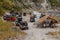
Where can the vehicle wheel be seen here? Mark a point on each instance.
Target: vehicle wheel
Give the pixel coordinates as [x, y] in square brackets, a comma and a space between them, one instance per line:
[53, 25]
[24, 28]
[17, 24]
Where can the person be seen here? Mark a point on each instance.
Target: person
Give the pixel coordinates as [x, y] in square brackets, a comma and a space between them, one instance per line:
[24, 14]
[30, 13]
[16, 13]
[32, 19]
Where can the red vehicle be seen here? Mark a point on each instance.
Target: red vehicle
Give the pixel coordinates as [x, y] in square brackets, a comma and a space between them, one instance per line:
[9, 18]
[13, 18]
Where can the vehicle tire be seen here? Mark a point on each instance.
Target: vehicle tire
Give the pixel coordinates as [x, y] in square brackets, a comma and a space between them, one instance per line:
[4, 17]
[17, 24]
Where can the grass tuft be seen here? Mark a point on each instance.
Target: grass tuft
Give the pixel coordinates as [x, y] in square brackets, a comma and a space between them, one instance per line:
[7, 31]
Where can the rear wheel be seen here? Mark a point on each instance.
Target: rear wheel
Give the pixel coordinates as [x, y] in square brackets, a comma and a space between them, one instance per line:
[17, 24]
[53, 25]
[25, 28]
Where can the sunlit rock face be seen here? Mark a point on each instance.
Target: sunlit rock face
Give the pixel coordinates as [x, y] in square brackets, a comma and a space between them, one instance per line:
[33, 4]
[58, 0]
[27, 0]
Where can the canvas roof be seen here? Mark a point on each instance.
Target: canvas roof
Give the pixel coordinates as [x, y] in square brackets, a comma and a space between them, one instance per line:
[41, 20]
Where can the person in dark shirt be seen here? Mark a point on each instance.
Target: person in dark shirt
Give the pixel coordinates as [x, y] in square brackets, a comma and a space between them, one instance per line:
[32, 19]
[24, 14]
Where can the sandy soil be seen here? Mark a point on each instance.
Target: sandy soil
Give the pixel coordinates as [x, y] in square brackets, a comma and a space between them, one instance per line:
[34, 33]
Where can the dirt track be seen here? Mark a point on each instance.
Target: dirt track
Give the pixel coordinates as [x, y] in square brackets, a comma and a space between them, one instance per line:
[34, 33]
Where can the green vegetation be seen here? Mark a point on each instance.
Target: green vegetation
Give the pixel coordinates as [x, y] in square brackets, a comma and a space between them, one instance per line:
[6, 5]
[55, 3]
[7, 31]
[36, 1]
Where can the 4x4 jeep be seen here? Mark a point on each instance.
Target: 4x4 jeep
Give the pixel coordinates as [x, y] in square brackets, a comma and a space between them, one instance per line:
[22, 24]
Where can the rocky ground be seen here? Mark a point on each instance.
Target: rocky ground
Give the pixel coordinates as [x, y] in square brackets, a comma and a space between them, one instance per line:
[34, 33]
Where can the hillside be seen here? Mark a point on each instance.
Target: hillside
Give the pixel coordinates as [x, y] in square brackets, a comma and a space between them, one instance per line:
[18, 5]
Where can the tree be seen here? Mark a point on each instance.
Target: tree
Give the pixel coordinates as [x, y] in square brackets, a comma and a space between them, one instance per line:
[7, 5]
